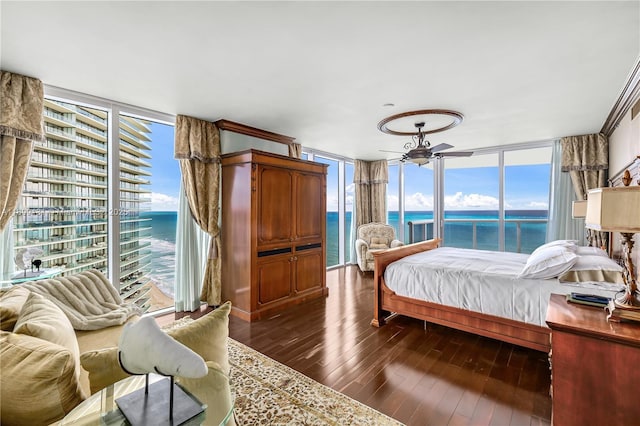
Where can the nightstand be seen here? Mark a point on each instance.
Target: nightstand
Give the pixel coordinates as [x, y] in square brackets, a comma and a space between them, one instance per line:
[595, 366]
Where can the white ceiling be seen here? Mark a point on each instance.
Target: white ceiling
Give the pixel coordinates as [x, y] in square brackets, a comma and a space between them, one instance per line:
[321, 71]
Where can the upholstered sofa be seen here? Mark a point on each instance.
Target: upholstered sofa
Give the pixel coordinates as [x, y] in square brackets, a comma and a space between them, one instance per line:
[372, 237]
[48, 368]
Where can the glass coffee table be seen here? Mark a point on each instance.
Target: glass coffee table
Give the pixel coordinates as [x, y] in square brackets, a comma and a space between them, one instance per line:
[213, 391]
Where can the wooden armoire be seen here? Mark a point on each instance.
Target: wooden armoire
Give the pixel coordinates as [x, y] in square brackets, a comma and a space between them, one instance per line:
[273, 232]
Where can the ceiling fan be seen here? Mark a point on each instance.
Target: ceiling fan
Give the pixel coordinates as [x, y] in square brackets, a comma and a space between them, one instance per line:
[421, 152]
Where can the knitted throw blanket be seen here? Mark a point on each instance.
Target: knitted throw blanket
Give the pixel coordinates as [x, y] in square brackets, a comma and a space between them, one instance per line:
[88, 299]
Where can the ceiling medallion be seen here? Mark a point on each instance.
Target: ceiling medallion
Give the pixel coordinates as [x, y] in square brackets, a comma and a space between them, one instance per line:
[420, 150]
[444, 119]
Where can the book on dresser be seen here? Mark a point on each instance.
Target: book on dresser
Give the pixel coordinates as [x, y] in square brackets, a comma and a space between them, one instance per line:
[616, 313]
[588, 299]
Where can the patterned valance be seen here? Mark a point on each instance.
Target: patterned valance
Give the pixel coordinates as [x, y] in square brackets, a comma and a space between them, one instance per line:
[21, 107]
[586, 152]
[369, 172]
[196, 140]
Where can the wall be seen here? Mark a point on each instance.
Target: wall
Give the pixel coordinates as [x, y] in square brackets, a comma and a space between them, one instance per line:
[624, 146]
[624, 143]
[233, 142]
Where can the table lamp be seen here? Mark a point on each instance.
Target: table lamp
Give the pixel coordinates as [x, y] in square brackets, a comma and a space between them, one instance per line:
[618, 210]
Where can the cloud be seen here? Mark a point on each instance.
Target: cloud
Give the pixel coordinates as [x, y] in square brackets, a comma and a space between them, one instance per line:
[470, 201]
[418, 201]
[163, 202]
[541, 205]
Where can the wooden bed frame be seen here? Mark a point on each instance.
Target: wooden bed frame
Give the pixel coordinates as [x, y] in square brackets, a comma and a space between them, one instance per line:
[388, 304]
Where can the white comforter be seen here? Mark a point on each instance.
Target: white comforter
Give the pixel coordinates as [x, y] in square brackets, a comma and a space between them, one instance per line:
[480, 281]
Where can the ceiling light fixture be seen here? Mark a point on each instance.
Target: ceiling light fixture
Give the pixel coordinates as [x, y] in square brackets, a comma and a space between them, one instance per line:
[420, 150]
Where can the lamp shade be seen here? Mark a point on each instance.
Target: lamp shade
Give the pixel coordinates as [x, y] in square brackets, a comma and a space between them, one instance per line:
[614, 209]
[579, 209]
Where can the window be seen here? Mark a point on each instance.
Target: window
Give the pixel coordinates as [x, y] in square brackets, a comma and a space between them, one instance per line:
[348, 216]
[76, 205]
[333, 213]
[527, 174]
[418, 202]
[472, 202]
[63, 208]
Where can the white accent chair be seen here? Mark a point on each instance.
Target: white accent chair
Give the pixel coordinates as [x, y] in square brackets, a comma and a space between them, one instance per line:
[373, 237]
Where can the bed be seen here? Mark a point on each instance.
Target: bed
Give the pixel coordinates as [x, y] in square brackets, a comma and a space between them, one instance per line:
[482, 297]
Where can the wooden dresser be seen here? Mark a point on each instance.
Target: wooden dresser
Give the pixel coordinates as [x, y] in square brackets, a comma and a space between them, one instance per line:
[595, 366]
[273, 232]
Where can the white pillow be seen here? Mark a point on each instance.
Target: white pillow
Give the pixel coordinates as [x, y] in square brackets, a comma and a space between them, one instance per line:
[591, 251]
[549, 262]
[593, 268]
[570, 244]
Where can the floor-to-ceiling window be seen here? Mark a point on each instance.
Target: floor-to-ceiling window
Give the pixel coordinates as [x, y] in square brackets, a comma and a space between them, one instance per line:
[472, 202]
[348, 210]
[418, 202]
[333, 214]
[340, 196]
[89, 199]
[393, 197]
[526, 198]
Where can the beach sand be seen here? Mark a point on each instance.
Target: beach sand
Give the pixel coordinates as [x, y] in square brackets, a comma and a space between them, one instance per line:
[157, 298]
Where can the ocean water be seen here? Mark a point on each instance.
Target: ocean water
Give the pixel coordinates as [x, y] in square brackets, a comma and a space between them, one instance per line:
[163, 249]
[459, 234]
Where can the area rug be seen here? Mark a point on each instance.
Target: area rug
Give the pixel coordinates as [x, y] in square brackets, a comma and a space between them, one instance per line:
[270, 393]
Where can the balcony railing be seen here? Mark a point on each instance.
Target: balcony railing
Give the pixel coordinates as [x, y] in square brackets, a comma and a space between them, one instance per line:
[475, 230]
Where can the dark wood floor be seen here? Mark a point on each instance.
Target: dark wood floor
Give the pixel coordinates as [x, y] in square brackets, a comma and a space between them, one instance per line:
[436, 376]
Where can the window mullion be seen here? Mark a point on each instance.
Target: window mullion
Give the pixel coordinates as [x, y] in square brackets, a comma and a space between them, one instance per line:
[113, 215]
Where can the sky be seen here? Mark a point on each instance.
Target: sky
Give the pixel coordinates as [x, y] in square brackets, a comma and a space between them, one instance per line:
[526, 187]
[165, 171]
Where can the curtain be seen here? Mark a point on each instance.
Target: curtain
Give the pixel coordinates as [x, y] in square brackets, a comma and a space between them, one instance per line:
[586, 158]
[197, 147]
[191, 244]
[7, 265]
[370, 178]
[295, 150]
[21, 123]
[562, 226]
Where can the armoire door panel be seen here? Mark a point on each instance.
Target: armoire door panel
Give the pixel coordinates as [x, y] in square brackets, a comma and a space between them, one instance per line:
[274, 279]
[310, 206]
[275, 206]
[309, 270]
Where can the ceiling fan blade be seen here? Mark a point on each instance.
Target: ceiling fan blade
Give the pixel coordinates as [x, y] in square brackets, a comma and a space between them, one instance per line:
[455, 154]
[393, 152]
[440, 147]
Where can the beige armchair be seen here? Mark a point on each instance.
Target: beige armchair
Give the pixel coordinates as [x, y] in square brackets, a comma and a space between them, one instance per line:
[373, 237]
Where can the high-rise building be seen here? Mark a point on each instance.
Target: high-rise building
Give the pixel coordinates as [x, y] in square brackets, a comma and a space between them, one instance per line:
[64, 206]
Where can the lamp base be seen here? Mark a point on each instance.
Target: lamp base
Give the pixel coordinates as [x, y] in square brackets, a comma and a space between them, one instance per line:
[628, 301]
[617, 314]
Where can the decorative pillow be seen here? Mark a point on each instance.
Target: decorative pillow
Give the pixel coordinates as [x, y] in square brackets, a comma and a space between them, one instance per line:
[41, 318]
[591, 251]
[570, 244]
[38, 384]
[11, 302]
[379, 240]
[206, 336]
[548, 263]
[593, 268]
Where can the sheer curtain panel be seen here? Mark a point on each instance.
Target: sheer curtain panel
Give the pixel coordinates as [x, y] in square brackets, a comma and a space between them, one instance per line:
[191, 243]
[562, 226]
